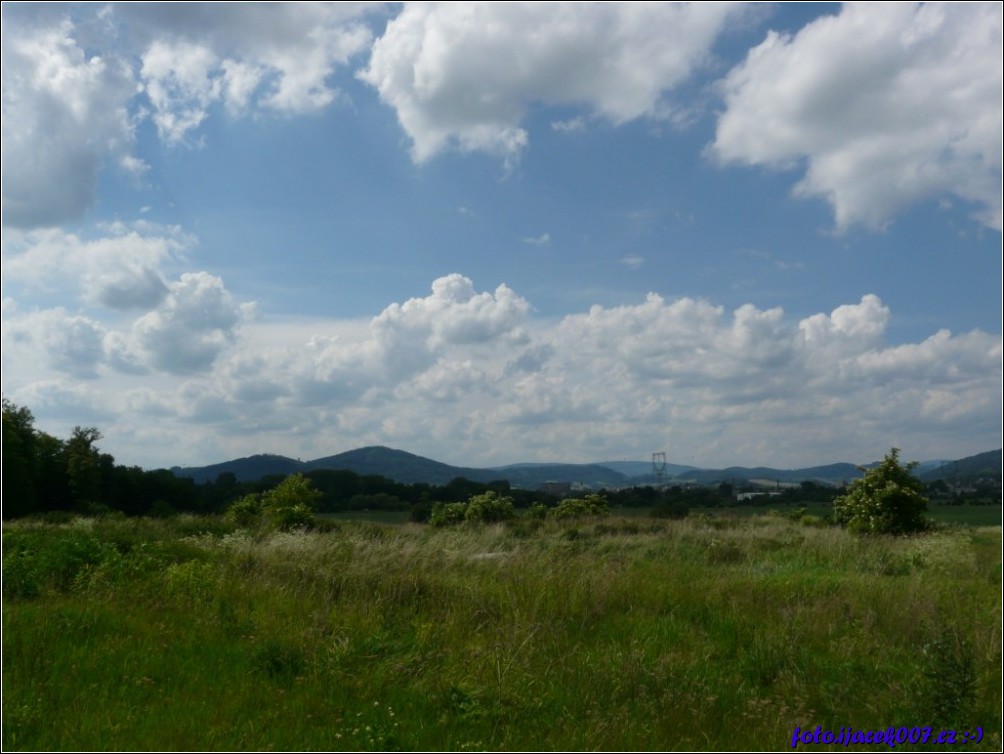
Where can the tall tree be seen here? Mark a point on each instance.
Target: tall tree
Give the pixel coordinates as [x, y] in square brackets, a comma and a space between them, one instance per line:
[83, 465]
[887, 500]
[20, 495]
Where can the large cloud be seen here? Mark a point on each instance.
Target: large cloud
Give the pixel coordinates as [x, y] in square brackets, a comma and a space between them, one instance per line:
[407, 339]
[73, 91]
[194, 325]
[464, 74]
[119, 269]
[453, 313]
[70, 344]
[884, 104]
[185, 334]
[64, 115]
[471, 376]
[272, 57]
[128, 317]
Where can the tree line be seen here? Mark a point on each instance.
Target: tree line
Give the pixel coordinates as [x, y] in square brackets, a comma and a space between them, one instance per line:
[42, 474]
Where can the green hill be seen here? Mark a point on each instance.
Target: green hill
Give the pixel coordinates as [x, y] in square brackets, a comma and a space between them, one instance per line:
[981, 466]
[409, 468]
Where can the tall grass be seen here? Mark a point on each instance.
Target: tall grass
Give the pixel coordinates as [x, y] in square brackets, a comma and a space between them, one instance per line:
[617, 634]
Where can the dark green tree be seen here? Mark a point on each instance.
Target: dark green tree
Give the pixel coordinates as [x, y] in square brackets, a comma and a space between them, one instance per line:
[51, 481]
[19, 461]
[887, 500]
[83, 466]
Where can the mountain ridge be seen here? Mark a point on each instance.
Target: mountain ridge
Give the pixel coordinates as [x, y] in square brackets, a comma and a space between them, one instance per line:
[409, 468]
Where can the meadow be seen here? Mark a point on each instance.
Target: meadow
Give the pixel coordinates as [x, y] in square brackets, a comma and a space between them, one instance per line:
[721, 633]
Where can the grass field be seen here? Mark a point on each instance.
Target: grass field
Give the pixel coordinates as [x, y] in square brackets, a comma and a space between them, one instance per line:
[973, 515]
[637, 634]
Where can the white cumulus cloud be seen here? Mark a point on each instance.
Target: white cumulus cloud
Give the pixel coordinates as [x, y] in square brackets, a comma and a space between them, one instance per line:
[196, 322]
[127, 318]
[472, 376]
[65, 115]
[463, 75]
[120, 269]
[454, 313]
[268, 57]
[76, 85]
[883, 105]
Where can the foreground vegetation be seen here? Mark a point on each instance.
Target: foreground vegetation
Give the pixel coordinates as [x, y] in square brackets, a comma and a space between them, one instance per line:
[702, 633]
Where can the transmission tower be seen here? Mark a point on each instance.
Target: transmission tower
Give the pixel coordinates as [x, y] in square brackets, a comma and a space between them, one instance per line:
[659, 469]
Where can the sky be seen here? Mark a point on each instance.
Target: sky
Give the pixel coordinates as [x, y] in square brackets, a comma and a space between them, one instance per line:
[739, 234]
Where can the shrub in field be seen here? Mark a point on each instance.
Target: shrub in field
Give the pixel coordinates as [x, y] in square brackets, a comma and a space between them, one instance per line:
[20, 576]
[887, 500]
[574, 507]
[246, 511]
[289, 517]
[537, 512]
[420, 512]
[290, 505]
[44, 558]
[489, 508]
[447, 514]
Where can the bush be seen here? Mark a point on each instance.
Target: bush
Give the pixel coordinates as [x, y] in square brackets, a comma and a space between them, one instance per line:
[489, 508]
[574, 507]
[537, 512]
[38, 559]
[246, 511]
[447, 514]
[290, 505]
[297, 516]
[420, 512]
[887, 500]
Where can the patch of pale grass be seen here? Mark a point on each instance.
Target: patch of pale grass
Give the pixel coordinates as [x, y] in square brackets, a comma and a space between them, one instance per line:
[81, 524]
[236, 541]
[298, 544]
[210, 543]
[950, 551]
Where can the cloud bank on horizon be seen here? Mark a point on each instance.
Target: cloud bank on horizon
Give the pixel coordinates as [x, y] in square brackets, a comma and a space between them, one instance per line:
[492, 232]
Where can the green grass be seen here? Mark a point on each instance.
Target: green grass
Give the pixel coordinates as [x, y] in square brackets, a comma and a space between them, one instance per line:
[972, 515]
[617, 634]
[379, 517]
[969, 515]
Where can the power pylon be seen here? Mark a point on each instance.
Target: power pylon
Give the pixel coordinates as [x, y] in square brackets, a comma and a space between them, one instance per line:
[659, 469]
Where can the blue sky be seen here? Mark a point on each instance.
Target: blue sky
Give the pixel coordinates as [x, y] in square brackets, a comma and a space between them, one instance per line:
[492, 233]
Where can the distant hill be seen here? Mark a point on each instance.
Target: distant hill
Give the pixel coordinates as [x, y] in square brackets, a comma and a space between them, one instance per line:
[532, 475]
[835, 473]
[248, 469]
[981, 466]
[644, 468]
[409, 468]
[400, 466]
